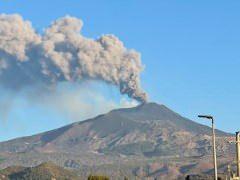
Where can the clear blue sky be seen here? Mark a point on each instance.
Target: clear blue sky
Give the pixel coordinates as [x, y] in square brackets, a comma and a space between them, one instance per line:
[191, 50]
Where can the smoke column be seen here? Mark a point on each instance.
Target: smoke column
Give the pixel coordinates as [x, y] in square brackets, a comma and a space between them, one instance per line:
[61, 54]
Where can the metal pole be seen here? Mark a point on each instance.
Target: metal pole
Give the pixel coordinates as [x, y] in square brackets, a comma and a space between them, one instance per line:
[214, 151]
[213, 144]
[238, 153]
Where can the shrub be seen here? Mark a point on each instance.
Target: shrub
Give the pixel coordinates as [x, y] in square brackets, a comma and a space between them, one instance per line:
[98, 177]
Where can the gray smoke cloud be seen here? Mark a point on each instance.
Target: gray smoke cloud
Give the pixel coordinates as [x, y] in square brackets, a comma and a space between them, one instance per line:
[62, 53]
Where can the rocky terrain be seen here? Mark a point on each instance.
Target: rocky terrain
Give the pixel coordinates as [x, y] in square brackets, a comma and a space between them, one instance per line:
[145, 141]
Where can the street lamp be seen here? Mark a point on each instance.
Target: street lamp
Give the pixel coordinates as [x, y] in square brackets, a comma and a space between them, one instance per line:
[213, 142]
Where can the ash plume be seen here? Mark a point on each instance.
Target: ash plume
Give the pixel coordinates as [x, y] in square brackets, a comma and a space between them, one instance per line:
[62, 53]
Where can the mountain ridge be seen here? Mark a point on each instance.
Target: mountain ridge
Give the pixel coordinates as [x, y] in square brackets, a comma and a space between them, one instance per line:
[128, 135]
[127, 120]
[150, 105]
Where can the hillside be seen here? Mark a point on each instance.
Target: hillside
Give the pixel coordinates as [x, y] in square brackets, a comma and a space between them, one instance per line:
[47, 171]
[138, 135]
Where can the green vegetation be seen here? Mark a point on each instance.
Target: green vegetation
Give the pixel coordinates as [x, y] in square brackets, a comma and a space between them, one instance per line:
[45, 171]
[98, 177]
[1, 159]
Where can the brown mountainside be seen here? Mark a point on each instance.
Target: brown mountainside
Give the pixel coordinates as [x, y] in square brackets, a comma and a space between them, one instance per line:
[134, 136]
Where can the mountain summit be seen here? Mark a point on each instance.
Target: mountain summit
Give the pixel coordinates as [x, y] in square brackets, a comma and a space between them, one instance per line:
[132, 137]
[146, 130]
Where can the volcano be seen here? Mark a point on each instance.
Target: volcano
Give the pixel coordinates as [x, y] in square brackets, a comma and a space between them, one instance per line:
[149, 131]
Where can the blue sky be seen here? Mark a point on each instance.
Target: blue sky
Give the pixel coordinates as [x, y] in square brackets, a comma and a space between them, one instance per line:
[190, 50]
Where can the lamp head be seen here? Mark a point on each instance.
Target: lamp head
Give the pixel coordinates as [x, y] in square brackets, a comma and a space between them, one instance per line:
[205, 116]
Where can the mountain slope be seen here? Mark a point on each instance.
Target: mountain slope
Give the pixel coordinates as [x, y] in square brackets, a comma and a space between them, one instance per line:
[149, 140]
[147, 130]
[43, 171]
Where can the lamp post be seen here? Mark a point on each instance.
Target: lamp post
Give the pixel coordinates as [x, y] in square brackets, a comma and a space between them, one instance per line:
[238, 153]
[213, 142]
